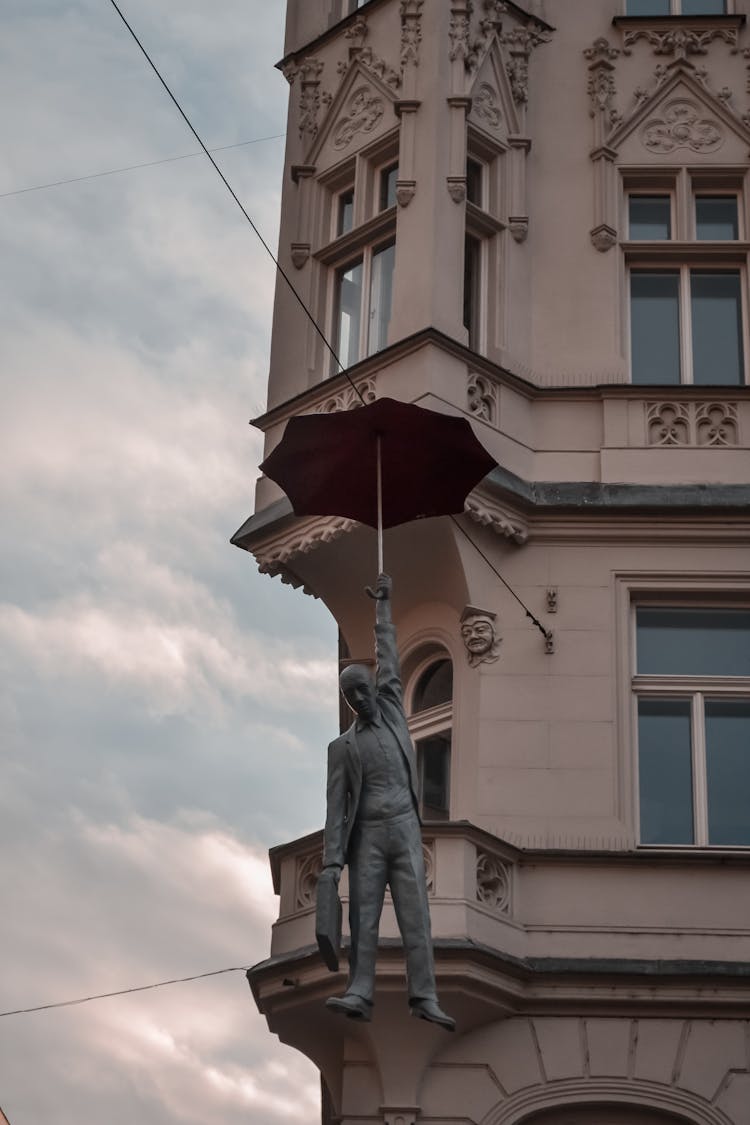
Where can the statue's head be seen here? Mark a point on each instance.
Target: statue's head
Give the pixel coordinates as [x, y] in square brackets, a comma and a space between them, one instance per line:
[479, 635]
[358, 690]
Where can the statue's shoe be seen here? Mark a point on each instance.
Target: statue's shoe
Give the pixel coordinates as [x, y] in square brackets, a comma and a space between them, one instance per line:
[431, 1010]
[355, 1007]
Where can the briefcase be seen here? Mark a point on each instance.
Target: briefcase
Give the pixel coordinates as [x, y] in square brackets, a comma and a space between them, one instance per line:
[328, 923]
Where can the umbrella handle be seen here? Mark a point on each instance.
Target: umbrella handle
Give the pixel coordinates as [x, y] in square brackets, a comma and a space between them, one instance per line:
[380, 507]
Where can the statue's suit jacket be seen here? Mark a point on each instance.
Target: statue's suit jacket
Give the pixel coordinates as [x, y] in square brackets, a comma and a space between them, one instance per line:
[344, 760]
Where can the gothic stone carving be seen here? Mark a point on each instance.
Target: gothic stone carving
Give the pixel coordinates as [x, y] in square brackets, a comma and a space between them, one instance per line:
[520, 42]
[459, 33]
[690, 423]
[601, 82]
[300, 252]
[482, 398]
[456, 188]
[348, 399]
[365, 109]
[310, 100]
[493, 883]
[682, 127]
[309, 868]
[273, 557]
[481, 639]
[604, 237]
[486, 514]
[411, 32]
[405, 192]
[680, 41]
[518, 225]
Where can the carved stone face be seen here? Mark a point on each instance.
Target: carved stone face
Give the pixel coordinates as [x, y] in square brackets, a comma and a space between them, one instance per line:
[480, 638]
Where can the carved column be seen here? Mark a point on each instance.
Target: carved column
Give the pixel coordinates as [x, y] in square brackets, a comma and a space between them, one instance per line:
[300, 248]
[601, 91]
[406, 108]
[309, 101]
[458, 110]
[518, 215]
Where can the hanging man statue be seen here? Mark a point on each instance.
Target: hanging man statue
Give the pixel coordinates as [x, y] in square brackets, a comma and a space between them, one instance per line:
[372, 824]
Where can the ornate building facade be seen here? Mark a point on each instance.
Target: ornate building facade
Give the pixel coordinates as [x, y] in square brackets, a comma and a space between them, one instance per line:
[537, 215]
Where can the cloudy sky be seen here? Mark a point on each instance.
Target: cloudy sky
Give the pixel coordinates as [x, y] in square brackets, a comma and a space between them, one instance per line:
[164, 708]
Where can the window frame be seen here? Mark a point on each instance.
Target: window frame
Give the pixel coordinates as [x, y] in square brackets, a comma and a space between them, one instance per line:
[695, 689]
[675, 10]
[438, 720]
[683, 252]
[366, 256]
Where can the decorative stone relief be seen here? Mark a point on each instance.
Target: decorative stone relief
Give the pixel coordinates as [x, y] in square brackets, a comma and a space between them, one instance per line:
[520, 42]
[552, 599]
[411, 32]
[601, 81]
[405, 192]
[484, 105]
[273, 556]
[480, 636]
[691, 423]
[310, 100]
[309, 868]
[300, 252]
[716, 423]
[374, 63]
[680, 41]
[487, 514]
[290, 72]
[459, 32]
[518, 225]
[456, 188]
[493, 883]
[682, 127]
[428, 853]
[604, 237]
[356, 33]
[482, 398]
[364, 110]
[348, 399]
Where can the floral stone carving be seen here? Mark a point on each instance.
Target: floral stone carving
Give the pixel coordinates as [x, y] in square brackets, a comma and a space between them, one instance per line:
[484, 104]
[482, 398]
[348, 399]
[309, 868]
[364, 111]
[716, 423]
[691, 423]
[682, 127]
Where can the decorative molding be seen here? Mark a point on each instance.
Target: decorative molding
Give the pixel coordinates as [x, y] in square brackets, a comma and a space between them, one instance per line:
[604, 237]
[364, 110]
[411, 32]
[428, 854]
[601, 87]
[308, 872]
[300, 253]
[273, 556]
[682, 127]
[481, 394]
[456, 188]
[488, 514]
[552, 599]
[484, 105]
[310, 100]
[356, 33]
[679, 41]
[405, 192]
[367, 58]
[459, 32]
[494, 883]
[692, 424]
[290, 72]
[348, 398]
[518, 225]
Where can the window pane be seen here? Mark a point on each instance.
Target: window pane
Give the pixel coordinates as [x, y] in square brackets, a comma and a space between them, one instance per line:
[348, 310]
[715, 300]
[474, 182]
[703, 7]
[693, 642]
[665, 771]
[381, 293]
[728, 771]
[472, 257]
[716, 217]
[655, 327]
[346, 212]
[650, 216]
[647, 8]
[434, 774]
[388, 179]
[435, 686]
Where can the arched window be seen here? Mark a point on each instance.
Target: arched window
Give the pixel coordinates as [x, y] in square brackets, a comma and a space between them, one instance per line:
[430, 709]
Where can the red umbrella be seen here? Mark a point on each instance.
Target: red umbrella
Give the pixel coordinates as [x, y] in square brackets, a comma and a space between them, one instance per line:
[382, 464]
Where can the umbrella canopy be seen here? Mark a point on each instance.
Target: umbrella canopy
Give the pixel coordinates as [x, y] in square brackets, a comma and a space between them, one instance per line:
[329, 464]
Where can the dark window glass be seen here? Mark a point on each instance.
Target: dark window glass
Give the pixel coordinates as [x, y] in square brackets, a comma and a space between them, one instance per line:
[435, 686]
[388, 179]
[703, 7]
[665, 771]
[650, 216]
[346, 212]
[716, 311]
[693, 642]
[474, 182]
[348, 312]
[728, 771]
[655, 326]
[381, 297]
[433, 759]
[472, 259]
[716, 218]
[647, 8]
